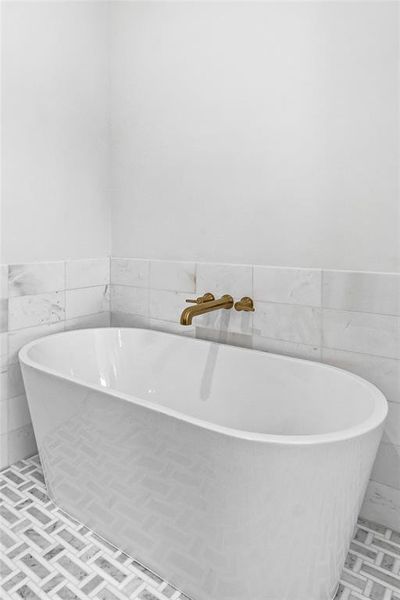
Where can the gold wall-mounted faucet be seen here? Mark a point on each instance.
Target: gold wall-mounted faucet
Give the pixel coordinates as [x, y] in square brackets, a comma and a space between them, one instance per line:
[246, 304]
[205, 304]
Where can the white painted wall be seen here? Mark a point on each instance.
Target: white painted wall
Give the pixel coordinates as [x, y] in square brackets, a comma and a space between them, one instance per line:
[257, 132]
[55, 202]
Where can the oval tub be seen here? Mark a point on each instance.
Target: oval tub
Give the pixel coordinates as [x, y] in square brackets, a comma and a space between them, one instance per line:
[232, 473]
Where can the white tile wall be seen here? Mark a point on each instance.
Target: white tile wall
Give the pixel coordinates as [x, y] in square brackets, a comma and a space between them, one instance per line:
[382, 504]
[173, 276]
[3, 298]
[128, 271]
[3, 314]
[226, 320]
[362, 332]
[392, 429]
[288, 285]
[17, 442]
[38, 299]
[164, 305]
[86, 301]
[15, 383]
[386, 469]
[347, 319]
[28, 311]
[88, 321]
[3, 281]
[126, 299]
[87, 272]
[35, 278]
[123, 319]
[3, 350]
[17, 339]
[364, 292]
[381, 371]
[219, 279]
[288, 322]
[18, 413]
[288, 348]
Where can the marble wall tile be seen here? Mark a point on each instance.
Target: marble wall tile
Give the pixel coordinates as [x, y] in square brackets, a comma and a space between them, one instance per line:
[87, 272]
[3, 281]
[130, 271]
[87, 301]
[101, 319]
[20, 337]
[287, 348]
[4, 384]
[167, 306]
[3, 350]
[236, 280]
[382, 505]
[363, 292]
[131, 300]
[36, 278]
[392, 427]
[288, 322]
[18, 412]
[287, 285]
[3, 298]
[21, 443]
[386, 469]
[28, 311]
[3, 314]
[15, 382]
[382, 372]
[362, 332]
[121, 319]
[173, 276]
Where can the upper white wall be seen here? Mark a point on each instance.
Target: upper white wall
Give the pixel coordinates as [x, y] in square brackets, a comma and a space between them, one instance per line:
[249, 132]
[55, 201]
[257, 132]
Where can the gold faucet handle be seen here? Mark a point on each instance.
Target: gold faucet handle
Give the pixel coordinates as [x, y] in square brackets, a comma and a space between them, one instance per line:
[206, 298]
[245, 304]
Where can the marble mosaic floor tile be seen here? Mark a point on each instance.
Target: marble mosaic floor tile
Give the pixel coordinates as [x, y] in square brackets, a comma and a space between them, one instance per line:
[46, 554]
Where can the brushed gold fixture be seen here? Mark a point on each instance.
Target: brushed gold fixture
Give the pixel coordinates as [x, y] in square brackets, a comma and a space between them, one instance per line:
[203, 305]
[245, 304]
[201, 299]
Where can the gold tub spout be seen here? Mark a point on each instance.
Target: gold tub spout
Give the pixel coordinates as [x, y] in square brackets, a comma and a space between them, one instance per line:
[203, 305]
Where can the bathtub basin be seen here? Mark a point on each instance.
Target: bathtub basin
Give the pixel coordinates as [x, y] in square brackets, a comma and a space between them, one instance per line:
[232, 473]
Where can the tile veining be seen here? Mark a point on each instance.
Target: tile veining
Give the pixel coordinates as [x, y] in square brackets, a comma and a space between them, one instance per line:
[35, 278]
[31, 310]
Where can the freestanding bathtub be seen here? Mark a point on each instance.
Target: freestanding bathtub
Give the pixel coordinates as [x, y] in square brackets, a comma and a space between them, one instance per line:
[232, 473]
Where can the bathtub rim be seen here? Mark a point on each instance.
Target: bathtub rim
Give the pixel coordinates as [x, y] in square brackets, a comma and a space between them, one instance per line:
[375, 420]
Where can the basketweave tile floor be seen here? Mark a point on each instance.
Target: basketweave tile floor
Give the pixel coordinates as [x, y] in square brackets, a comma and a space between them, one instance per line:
[44, 553]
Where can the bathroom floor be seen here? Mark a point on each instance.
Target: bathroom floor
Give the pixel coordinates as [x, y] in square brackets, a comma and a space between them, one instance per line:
[46, 554]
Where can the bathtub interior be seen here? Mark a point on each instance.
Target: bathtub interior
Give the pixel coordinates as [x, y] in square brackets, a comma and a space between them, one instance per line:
[228, 386]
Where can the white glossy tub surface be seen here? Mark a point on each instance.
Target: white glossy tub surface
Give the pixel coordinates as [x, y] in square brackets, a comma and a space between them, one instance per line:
[233, 473]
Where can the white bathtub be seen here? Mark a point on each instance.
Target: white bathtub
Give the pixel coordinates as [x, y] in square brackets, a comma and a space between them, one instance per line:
[232, 473]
